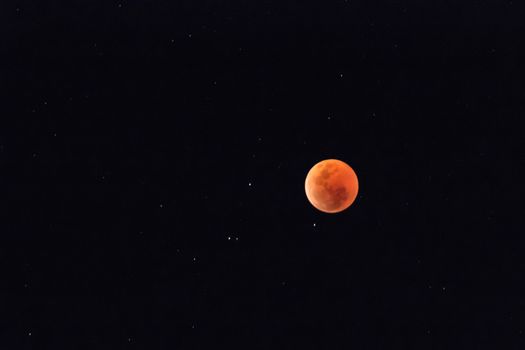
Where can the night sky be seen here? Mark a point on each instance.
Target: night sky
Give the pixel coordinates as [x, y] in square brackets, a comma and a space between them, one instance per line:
[153, 157]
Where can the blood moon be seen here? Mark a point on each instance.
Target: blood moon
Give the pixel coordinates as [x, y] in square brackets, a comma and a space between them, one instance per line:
[331, 186]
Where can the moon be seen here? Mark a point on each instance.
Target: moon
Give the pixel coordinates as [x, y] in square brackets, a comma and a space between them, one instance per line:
[331, 186]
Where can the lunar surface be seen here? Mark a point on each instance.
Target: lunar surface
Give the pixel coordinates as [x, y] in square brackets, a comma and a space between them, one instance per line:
[331, 186]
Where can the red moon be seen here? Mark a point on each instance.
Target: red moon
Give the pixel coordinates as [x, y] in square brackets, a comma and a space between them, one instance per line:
[331, 186]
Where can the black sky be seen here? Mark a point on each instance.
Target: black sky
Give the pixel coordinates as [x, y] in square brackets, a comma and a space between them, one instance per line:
[153, 157]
